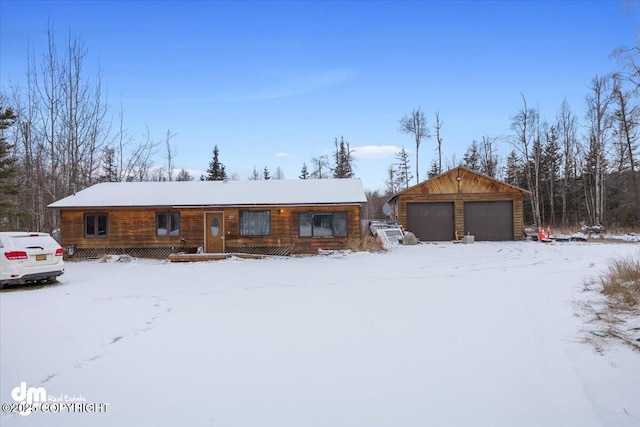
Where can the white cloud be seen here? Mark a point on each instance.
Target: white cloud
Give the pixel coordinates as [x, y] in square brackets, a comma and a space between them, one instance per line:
[294, 83]
[375, 151]
[287, 83]
[282, 154]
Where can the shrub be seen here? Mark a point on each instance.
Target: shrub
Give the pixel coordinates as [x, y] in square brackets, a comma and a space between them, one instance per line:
[618, 313]
[367, 243]
[621, 282]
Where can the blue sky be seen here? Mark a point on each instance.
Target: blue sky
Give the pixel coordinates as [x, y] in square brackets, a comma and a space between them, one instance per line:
[273, 83]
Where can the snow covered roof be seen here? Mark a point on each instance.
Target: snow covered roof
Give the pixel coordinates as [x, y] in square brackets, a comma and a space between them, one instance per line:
[207, 193]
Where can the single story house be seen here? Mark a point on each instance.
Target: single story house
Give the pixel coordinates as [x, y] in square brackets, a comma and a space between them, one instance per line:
[153, 219]
[461, 200]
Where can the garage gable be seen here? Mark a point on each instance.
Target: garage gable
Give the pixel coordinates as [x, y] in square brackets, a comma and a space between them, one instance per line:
[461, 180]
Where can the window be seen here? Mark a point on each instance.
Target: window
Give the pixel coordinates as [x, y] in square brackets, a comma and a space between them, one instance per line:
[340, 224]
[95, 225]
[168, 224]
[255, 223]
[321, 224]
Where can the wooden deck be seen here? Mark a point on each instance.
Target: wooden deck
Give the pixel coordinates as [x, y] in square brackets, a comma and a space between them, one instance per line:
[211, 257]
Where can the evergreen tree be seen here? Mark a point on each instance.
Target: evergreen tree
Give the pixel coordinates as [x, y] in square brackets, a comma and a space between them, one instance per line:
[403, 171]
[304, 172]
[471, 157]
[342, 160]
[550, 171]
[216, 171]
[265, 173]
[8, 169]
[255, 175]
[512, 170]
[109, 166]
[434, 169]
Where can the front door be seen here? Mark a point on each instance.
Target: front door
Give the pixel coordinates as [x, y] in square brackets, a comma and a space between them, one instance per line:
[214, 232]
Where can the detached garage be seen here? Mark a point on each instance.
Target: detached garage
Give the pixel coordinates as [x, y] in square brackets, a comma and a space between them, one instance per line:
[463, 200]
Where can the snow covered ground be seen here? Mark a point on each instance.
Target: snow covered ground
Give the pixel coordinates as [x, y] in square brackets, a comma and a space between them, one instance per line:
[486, 334]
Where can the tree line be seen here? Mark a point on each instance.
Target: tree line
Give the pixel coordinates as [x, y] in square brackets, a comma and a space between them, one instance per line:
[576, 171]
[321, 167]
[573, 177]
[57, 136]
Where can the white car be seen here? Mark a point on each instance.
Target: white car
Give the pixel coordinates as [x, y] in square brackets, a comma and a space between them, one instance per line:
[29, 257]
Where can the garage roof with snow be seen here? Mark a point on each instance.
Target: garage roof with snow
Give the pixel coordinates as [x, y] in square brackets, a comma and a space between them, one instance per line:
[219, 193]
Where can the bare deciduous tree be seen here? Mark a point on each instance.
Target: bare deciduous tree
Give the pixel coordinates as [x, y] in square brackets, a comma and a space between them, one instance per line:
[489, 158]
[566, 125]
[140, 162]
[373, 207]
[627, 132]
[320, 167]
[184, 175]
[171, 154]
[62, 129]
[599, 121]
[630, 60]
[391, 183]
[526, 142]
[438, 126]
[627, 121]
[278, 174]
[416, 125]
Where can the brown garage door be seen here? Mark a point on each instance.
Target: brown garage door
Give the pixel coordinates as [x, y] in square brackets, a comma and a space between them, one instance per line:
[431, 221]
[489, 220]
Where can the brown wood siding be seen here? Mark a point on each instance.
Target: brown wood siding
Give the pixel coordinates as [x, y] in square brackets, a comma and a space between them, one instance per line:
[136, 228]
[284, 228]
[131, 228]
[469, 183]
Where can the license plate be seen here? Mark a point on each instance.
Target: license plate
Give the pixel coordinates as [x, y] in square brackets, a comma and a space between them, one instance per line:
[41, 257]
